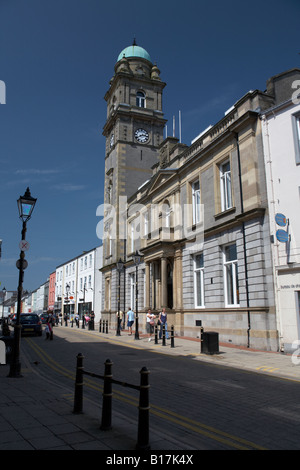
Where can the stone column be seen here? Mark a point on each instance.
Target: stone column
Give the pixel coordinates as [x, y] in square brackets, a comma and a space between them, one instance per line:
[147, 293]
[164, 289]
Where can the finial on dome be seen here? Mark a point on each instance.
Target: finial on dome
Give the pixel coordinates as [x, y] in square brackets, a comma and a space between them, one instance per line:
[134, 42]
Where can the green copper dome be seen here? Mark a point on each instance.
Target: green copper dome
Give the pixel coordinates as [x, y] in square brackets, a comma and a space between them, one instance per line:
[134, 51]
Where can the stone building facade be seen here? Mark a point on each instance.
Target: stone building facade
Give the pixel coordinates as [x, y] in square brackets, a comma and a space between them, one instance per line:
[200, 221]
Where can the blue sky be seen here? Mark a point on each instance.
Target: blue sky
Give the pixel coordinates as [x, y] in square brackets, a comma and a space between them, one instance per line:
[56, 59]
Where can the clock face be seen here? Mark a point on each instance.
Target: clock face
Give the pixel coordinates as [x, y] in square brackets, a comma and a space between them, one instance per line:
[141, 135]
[112, 140]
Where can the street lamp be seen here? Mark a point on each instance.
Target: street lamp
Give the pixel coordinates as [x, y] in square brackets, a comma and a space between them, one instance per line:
[137, 260]
[67, 302]
[83, 306]
[26, 205]
[120, 266]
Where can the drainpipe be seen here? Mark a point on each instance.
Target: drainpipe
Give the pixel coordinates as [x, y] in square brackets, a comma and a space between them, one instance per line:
[244, 239]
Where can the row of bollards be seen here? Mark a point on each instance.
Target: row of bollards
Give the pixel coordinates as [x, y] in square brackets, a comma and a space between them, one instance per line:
[172, 335]
[103, 326]
[144, 407]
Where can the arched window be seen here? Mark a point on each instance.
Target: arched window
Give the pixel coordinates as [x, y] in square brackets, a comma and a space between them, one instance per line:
[140, 99]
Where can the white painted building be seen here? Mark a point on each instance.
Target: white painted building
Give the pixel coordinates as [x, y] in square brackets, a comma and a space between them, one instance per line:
[86, 281]
[78, 284]
[42, 298]
[98, 282]
[281, 141]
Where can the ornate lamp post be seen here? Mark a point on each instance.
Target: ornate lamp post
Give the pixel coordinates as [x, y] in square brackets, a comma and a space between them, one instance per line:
[67, 301]
[137, 260]
[26, 205]
[120, 266]
[83, 306]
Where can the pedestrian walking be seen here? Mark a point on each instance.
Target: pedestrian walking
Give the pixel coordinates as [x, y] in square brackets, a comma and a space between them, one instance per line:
[163, 322]
[49, 330]
[130, 320]
[150, 323]
[51, 319]
[119, 319]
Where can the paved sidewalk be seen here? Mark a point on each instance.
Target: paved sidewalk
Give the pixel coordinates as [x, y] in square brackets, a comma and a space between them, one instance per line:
[36, 414]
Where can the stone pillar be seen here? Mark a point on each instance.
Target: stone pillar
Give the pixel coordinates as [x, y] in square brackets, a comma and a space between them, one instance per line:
[147, 294]
[164, 287]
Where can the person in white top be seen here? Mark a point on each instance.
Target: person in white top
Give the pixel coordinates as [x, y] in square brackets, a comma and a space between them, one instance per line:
[150, 323]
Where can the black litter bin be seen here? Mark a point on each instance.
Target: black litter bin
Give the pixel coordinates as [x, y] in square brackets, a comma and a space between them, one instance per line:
[9, 347]
[210, 342]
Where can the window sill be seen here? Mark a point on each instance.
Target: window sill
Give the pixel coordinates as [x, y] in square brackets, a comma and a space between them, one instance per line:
[224, 213]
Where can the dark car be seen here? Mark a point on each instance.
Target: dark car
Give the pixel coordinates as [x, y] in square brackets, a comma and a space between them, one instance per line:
[31, 324]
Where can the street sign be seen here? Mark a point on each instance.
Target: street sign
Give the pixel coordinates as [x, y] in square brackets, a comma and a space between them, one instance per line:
[25, 264]
[282, 236]
[280, 220]
[23, 245]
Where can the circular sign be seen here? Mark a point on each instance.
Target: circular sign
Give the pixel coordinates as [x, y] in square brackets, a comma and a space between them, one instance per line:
[71, 297]
[280, 220]
[23, 245]
[25, 264]
[282, 236]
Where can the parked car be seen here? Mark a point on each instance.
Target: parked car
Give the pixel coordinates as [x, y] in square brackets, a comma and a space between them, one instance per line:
[31, 324]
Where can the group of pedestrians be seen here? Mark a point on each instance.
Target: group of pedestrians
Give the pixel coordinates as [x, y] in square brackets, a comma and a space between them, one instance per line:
[161, 321]
[150, 323]
[151, 317]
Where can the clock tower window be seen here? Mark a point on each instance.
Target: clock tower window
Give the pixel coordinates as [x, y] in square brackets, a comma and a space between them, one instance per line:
[140, 99]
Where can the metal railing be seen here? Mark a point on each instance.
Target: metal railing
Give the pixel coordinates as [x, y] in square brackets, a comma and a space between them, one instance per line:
[172, 335]
[143, 388]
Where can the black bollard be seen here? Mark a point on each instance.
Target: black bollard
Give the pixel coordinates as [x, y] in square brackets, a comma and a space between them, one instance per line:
[83, 323]
[143, 420]
[100, 323]
[78, 395]
[72, 322]
[106, 326]
[172, 336]
[155, 335]
[107, 397]
[164, 335]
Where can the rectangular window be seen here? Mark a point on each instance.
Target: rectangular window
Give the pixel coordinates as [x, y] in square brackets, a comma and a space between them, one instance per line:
[199, 280]
[225, 186]
[91, 260]
[146, 224]
[196, 202]
[132, 234]
[296, 130]
[132, 291]
[231, 281]
[90, 281]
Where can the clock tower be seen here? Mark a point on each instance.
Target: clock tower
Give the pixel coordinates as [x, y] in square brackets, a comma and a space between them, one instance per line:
[133, 131]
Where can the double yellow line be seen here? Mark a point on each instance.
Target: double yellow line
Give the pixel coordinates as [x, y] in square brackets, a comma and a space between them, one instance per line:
[182, 421]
